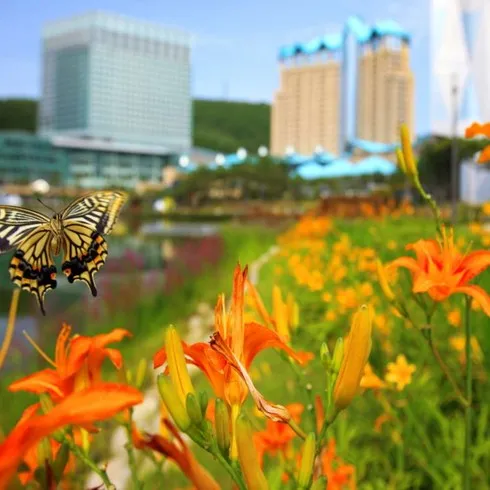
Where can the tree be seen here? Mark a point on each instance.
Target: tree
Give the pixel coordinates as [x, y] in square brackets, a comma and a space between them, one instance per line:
[18, 114]
[435, 161]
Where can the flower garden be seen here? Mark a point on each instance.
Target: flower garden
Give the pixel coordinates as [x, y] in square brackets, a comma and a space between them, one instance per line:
[356, 357]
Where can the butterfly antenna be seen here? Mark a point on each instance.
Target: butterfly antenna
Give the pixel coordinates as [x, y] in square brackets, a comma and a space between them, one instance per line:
[46, 206]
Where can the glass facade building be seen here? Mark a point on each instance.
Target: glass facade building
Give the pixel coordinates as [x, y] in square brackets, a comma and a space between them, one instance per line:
[109, 77]
[25, 158]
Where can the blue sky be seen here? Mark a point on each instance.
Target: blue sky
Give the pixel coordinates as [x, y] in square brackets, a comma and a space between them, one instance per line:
[236, 43]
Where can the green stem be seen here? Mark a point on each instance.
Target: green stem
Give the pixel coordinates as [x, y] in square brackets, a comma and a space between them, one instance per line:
[130, 450]
[203, 440]
[469, 398]
[437, 356]
[323, 432]
[88, 462]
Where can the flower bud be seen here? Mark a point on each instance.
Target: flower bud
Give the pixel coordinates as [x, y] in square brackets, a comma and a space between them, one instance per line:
[203, 401]
[338, 355]
[85, 440]
[247, 455]
[193, 409]
[177, 365]
[141, 373]
[356, 353]
[383, 281]
[293, 311]
[168, 393]
[408, 158]
[222, 423]
[325, 356]
[306, 469]
[401, 161]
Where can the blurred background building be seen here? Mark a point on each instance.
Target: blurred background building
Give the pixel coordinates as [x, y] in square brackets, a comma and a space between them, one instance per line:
[312, 111]
[106, 76]
[460, 48]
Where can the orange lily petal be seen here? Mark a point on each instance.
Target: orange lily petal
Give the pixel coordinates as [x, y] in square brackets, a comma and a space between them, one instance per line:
[258, 338]
[478, 294]
[474, 263]
[484, 155]
[46, 380]
[204, 358]
[84, 407]
[407, 262]
[478, 129]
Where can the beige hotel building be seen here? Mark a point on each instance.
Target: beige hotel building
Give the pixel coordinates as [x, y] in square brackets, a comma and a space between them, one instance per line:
[306, 110]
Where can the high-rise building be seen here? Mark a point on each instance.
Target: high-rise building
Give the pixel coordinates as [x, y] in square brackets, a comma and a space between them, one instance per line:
[339, 91]
[106, 76]
[385, 90]
[306, 108]
[460, 49]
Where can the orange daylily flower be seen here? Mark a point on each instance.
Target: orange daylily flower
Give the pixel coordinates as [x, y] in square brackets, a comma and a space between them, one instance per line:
[440, 270]
[77, 364]
[340, 476]
[277, 436]
[81, 408]
[245, 340]
[370, 380]
[480, 129]
[177, 451]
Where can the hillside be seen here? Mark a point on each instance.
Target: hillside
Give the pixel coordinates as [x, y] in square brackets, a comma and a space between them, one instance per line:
[218, 125]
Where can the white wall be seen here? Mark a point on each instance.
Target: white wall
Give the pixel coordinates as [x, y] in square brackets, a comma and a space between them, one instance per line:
[474, 183]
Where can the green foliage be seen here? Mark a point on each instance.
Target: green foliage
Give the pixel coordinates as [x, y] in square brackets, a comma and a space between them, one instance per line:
[435, 159]
[264, 179]
[18, 114]
[225, 126]
[218, 125]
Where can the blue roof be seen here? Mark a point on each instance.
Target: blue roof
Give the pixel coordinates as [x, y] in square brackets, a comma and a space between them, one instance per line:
[345, 168]
[334, 42]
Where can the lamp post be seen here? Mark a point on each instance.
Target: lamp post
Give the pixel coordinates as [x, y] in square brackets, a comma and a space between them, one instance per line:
[184, 161]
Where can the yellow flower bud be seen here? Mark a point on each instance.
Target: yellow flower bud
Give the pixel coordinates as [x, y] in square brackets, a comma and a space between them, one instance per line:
[325, 356]
[401, 160]
[247, 455]
[409, 159]
[383, 281]
[141, 373]
[356, 353]
[222, 424]
[177, 366]
[293, 311]
[280, 313]
[193, 409]
[306, 469]
[176, 408]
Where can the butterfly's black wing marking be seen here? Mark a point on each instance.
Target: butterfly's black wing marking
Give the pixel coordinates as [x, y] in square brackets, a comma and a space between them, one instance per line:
[85, 253]
[32, 267]
[84, 223]
[16, 224]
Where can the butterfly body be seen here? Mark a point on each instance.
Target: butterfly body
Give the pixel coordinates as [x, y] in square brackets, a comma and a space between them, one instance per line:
[77, 232]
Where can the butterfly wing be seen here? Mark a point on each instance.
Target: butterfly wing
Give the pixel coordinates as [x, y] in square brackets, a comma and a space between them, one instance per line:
[32, 267]
[97, 210]
[16, 224]
[84, 223]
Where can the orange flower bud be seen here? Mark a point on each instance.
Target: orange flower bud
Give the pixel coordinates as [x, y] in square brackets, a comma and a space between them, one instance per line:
[357, 347]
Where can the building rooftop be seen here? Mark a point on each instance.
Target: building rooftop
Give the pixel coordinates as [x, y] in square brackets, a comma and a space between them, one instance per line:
[117, 23]
[335, 42]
